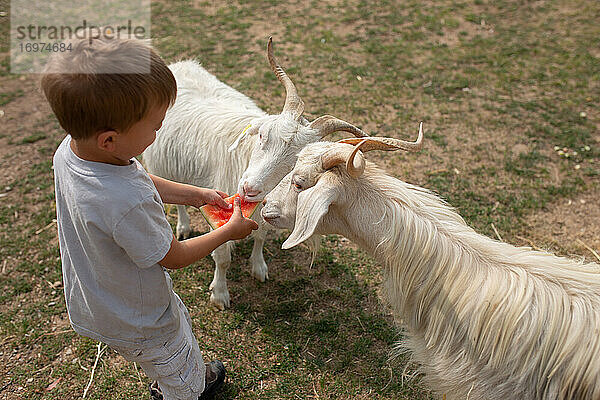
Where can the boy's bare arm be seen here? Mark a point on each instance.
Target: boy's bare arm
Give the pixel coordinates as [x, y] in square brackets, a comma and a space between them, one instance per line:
[181, 254]
[188, 195]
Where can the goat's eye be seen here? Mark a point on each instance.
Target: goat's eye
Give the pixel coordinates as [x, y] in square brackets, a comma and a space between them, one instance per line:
[262, 139]
[297, 183]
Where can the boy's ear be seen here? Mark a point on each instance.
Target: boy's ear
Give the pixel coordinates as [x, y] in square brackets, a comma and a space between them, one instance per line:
[106, 140]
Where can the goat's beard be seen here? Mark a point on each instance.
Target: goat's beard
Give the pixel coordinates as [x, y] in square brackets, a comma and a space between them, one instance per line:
[314, 244]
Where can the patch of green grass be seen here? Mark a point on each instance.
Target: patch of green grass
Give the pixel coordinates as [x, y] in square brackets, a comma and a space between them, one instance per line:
[4, 37]
[7, 97]
[527, 165]
[530, 189]
[34, 138]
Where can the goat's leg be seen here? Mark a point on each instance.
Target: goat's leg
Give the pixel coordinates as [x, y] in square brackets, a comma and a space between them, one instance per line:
[183, 223]
[260, 271]
[219, 293]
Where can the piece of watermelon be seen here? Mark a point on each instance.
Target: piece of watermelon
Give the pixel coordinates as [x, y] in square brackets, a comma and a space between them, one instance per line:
[217, 216]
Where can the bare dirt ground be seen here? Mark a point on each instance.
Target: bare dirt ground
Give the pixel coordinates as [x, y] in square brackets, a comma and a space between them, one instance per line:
[570, 226]
[26, 114]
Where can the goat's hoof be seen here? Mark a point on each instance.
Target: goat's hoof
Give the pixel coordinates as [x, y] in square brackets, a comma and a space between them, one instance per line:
[260, 276]
[260, 272]
[183, 236]
[219, 296]
[221, 302]
[183, 232]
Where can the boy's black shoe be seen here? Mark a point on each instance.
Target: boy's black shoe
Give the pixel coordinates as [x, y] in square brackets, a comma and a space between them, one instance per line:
[155, 392]
[215, 376]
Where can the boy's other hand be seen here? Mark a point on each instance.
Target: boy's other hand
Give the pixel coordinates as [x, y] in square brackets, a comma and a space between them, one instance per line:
[238, 226]
[214, 197]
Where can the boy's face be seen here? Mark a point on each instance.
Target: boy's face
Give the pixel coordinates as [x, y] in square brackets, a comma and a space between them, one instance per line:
[136, 139]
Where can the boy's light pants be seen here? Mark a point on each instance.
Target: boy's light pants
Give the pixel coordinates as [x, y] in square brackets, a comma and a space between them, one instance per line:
[177, 364]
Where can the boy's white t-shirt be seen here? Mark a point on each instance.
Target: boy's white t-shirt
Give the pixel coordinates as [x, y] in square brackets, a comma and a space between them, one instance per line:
[113, 231]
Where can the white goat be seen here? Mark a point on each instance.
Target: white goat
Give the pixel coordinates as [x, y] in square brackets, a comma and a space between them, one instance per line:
[485, 319]
[203, 142]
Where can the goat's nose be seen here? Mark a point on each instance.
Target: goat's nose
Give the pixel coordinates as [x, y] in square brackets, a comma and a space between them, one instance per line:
[269, 215]
[264, 202]
[250, 192]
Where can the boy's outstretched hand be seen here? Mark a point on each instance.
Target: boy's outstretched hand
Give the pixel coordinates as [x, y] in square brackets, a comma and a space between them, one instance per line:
[238, 227]
[214, 197]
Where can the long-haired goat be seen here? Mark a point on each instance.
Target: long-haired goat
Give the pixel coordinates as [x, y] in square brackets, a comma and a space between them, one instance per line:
[485, 319]
[205, 141]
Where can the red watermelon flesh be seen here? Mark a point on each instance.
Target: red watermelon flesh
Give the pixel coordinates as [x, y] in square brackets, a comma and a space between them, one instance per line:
[217, 216]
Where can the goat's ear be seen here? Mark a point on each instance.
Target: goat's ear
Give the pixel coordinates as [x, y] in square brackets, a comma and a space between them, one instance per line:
[248, 131]
[312, 205]
[303, 121]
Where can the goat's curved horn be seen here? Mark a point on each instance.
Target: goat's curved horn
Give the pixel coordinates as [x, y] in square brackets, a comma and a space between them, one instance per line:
[293, 102]
[354, 165]
[356, 169]
[327, 124]
[387, 144]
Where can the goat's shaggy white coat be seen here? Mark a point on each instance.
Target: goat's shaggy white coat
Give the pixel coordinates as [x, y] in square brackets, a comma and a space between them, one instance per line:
[217, 113]
[485, 319]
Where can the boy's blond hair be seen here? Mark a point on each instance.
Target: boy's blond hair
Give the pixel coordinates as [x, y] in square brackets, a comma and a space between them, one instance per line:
[92, 88]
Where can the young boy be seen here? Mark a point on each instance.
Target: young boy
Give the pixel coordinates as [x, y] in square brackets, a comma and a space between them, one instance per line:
[115, 241]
